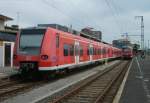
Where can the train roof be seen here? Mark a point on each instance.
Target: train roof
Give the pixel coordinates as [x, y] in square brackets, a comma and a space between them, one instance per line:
[77, 34]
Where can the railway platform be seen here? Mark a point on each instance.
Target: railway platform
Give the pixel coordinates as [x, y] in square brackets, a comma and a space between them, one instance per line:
[6, 72]
[136, 89]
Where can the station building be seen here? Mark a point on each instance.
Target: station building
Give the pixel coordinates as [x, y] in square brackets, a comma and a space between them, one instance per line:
[7, 39]
[121, 43]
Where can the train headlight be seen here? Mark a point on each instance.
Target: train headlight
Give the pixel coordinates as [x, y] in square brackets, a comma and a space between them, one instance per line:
[44, 57]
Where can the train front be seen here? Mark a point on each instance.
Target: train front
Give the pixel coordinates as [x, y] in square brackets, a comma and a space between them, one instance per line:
[27, 50]
[127, 53]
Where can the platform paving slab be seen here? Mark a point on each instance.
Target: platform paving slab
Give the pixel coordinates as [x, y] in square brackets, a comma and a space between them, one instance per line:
[137, 86]
[6, 72]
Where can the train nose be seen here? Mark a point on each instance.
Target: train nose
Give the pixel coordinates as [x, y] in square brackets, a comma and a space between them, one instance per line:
[29, 66]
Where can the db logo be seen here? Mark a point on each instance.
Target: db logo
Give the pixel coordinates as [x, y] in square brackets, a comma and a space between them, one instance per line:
[28, 58]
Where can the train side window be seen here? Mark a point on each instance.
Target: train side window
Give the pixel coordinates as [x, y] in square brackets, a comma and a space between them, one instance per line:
[99, 51]
[81, 51]
[66, 47]
[71, 50]
[93, 51]
[76, 50]
[88, 50]
[57, 40]
[103, 51]
[108, 50]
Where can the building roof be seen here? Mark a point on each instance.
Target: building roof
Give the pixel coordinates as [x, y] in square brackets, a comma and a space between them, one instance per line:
[5, 18]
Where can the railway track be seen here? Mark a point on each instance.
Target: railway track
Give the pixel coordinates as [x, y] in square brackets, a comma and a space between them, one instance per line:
[100, 88]
[10, 87]
[13, 85]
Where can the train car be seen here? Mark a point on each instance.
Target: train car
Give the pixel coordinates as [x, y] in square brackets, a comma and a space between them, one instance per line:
[51, 50]
[127, 53]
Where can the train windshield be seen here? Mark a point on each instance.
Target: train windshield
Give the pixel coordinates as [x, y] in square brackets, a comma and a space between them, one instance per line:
[30, 41]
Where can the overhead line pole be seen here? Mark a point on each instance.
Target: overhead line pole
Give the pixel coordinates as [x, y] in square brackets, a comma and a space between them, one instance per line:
[142, 31]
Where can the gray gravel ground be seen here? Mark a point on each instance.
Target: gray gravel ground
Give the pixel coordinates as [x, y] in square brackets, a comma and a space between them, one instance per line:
[51, 88]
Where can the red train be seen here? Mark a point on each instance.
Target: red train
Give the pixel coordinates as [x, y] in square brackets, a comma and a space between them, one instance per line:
[127, 53]
[48, 49]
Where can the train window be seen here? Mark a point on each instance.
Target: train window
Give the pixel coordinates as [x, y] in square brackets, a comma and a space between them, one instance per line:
[88, 50]
[81, 51]
[57, 40]
[103, 51]
[92, 50]
[71, 50]
[66, 47]
[108, 51]
[99, 51]
[95, 51]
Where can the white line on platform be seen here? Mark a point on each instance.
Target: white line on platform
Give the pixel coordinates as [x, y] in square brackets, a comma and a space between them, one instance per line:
[139, 67]
[143, 81]
[118, 96]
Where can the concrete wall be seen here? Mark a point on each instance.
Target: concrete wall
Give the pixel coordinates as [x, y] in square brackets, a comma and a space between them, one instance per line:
[1, 55]
[1, 25]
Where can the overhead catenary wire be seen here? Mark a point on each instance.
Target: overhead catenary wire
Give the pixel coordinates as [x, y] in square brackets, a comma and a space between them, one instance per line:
[109, 4]
[85, 14]
[79, 22]
[117, 10]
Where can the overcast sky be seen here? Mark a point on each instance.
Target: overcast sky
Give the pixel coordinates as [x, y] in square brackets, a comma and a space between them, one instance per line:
[112, 17]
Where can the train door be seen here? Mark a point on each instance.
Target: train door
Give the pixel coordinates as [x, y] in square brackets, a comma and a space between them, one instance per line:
[91, 52]
[57, 48]
[76, 47]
